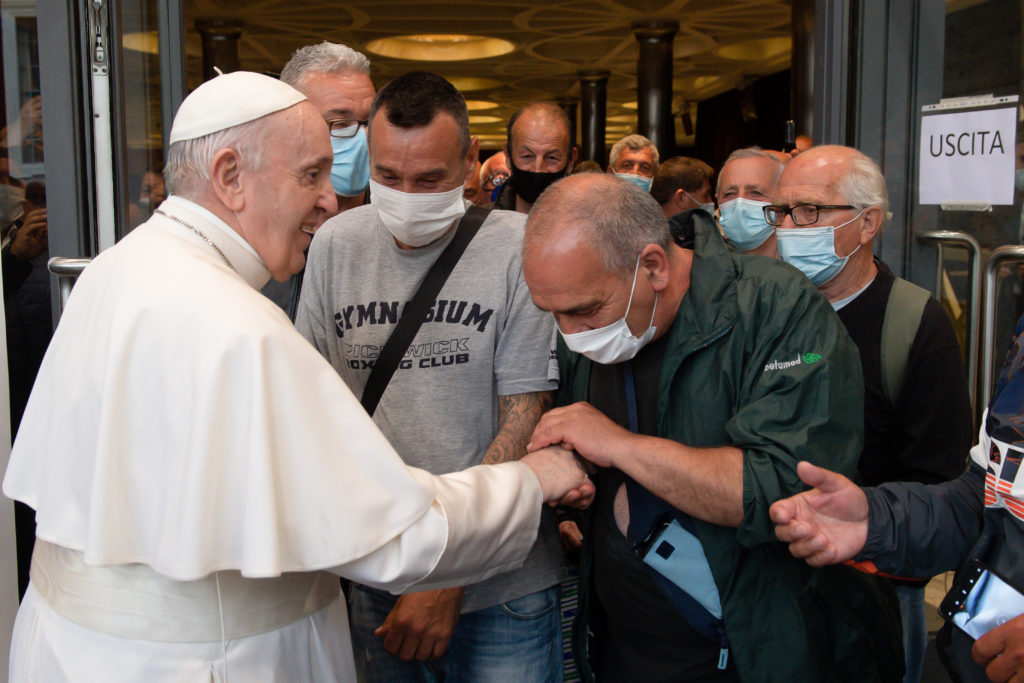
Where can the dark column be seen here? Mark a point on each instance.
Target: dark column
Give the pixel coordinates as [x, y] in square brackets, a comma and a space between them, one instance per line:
[654, 82]
[220, 45]
[594, 97]
[568, 105]
[801, 88]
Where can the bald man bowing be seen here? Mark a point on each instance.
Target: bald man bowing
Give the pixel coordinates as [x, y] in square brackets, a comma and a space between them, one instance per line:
[695, 379]
[200, 474]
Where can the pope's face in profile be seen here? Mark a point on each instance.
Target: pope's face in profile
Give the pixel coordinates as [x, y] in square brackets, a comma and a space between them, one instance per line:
[289, 195]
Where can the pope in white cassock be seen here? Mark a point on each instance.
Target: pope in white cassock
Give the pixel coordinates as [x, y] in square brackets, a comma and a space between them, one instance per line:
[200, 474]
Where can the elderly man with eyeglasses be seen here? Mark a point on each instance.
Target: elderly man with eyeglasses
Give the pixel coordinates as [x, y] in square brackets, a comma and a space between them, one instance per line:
[831, 205]
[336, 81]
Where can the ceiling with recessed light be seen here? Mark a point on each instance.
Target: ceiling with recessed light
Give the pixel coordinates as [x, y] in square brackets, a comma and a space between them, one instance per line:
[541, 44]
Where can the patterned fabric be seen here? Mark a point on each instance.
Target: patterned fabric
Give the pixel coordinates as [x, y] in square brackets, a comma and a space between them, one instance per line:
[1001, 444]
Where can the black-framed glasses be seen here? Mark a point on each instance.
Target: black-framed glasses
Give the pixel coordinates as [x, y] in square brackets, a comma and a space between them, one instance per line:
[345, 128]
[802, 214]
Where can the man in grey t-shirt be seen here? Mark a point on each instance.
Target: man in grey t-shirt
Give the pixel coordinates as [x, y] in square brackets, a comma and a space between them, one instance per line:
[471, 387]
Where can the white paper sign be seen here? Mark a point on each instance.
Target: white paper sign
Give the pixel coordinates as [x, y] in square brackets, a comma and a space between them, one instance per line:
[967, 157]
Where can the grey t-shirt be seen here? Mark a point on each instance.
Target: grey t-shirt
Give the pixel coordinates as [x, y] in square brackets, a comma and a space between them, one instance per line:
[483, 338]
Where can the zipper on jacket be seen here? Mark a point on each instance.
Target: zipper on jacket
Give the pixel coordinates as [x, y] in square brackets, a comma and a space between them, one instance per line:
[723, 652]
[717, 337]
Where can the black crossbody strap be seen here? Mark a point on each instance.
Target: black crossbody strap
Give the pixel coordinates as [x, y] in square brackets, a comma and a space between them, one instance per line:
[416, 310]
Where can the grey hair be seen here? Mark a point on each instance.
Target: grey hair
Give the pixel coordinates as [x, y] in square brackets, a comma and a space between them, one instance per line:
[749, 153]
[617, 218]
[325, 57]
[633, 142]
[863, 185]
[188, 161]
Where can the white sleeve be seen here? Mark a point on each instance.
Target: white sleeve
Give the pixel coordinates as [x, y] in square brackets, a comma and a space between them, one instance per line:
[483, 522]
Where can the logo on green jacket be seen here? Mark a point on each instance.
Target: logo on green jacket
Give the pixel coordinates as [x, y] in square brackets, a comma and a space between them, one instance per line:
[801, 359]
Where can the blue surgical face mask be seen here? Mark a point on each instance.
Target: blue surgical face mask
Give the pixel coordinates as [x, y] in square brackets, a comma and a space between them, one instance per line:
[744, 224]
[643, 182]
[707, 206]
[812, 251]
[350, 173]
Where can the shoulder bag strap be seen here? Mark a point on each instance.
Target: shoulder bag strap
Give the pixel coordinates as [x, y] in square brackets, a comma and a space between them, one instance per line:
[416, 310]
[903, 313]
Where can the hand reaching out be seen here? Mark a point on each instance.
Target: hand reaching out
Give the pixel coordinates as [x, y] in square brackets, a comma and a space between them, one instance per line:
[826, 525]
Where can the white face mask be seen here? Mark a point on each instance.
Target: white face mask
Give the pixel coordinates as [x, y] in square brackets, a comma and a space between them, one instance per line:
[417, 218]
[612, 343]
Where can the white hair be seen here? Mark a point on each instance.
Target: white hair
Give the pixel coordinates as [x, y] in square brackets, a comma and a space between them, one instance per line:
[325, 57]
[187, 167]
[634, 142]
[754, 152]
[863, 185]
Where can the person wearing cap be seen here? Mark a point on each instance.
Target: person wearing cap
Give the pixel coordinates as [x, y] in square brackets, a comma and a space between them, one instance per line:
[201, 476]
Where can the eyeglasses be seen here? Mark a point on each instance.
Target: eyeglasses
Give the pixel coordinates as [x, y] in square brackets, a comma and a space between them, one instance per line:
[345, 128]
[802, 214]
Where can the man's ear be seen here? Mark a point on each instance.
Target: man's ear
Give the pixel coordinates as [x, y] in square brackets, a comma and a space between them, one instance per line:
[572, 159]
[679, 199]
[471, 158]
[654, 262]
[871, 225]
[226, 179]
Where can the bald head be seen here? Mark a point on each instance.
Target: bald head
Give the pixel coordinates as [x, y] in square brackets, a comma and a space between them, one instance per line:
[845, 171]
[539, 115]
[618, 219]
[495, 167]
[538, 139]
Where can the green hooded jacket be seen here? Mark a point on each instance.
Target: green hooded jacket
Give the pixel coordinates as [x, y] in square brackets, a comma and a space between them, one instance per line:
[757, 359]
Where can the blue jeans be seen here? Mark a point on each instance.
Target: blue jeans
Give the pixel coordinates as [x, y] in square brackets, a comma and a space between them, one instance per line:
[915, 630]
[519, 640]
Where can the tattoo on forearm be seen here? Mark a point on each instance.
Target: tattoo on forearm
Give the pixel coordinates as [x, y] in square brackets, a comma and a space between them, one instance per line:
[518, 414]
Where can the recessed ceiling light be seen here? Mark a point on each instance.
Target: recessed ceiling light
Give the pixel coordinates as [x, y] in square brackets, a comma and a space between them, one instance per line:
[480, 105]
[478, 118]
[440, 47]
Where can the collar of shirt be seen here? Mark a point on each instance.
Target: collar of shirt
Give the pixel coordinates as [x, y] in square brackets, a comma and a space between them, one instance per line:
[836, 305]
[242, 256]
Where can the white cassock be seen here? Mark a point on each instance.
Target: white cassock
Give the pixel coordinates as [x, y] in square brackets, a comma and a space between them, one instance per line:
[195, 465]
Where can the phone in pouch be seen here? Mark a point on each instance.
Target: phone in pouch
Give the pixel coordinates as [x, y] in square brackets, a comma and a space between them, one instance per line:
[676, 554]
[981, 600]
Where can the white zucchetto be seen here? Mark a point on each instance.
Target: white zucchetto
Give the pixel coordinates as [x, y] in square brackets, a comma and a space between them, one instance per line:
[230, 100]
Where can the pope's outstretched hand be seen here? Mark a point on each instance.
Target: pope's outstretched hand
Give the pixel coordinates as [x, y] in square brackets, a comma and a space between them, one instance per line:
[826, 525]
[562, 477]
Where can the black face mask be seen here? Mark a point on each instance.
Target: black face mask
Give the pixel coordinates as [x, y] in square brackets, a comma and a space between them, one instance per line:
[529, 185]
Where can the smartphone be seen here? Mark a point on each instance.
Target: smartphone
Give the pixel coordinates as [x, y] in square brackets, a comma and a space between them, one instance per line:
[790, 142]
[676, 554]
[981, 600]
